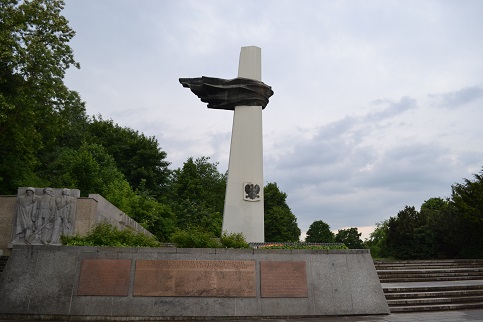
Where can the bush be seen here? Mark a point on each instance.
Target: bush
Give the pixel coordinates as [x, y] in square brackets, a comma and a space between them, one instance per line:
[233, 240]
[105, 234]
[194, 238]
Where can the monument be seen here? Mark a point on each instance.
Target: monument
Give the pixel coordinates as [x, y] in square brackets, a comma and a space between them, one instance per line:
[42, 219]
[169, 283]
[41, 215]
[247, 96]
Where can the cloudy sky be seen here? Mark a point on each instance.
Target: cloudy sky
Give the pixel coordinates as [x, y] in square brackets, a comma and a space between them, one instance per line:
[377, 104]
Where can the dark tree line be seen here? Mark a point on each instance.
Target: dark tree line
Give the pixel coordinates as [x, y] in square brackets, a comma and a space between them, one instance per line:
[442, 228]
[319, 232]
[47, 139]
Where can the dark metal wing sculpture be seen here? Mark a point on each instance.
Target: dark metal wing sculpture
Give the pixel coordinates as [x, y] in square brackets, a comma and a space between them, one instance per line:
[227, 93]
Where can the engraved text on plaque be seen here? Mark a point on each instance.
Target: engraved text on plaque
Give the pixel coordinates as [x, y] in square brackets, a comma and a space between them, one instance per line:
[104, 277]
[283, 279]
[227, 278]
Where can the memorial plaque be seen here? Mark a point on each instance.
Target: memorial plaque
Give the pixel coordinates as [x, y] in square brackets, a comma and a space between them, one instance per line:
[283, 279]
[224, 278]
[104, 277]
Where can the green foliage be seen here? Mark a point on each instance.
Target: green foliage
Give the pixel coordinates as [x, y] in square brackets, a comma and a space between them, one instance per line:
[197, 237]
[36, 108]
[319, 232]
[351, 237]
[406, 237]
[153, 215]
[377, 241]
[104, 234]
[233, 240]
[280, 222]
[468, 198]
[138, 157]
[90, 169]
[197, 194]
[441, 229]
[194, 237]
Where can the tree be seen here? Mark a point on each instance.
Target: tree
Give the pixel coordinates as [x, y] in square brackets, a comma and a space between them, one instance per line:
[91, 170]
[34, 102]
[319, 232]
[410, 236]
[137, 156]
[351, 237]
[377, 241]
[468, 198]
[156, 217]
[467, 204]
[280, 223]
[197, 193]
[442, 228]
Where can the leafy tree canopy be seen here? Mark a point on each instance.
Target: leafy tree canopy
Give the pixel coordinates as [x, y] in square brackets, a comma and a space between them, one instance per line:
[377, 241]
[280, 222]
[138, 157]
[351, 237]
[197, 194]
[468, 198]
[319, 232]
[36, 107]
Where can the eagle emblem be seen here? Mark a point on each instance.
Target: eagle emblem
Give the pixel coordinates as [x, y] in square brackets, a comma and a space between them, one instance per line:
[252, 191]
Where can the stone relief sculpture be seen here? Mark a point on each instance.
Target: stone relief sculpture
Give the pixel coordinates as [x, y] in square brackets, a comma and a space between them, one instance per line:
[43, 219]
[26, 212]
[45, 216]
[64, 215]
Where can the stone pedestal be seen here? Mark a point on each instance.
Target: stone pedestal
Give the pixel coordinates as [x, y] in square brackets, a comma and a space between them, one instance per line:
[121, 284]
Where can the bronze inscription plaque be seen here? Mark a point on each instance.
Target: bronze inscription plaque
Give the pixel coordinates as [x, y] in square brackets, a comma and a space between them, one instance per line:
[227, 278]
[283, 279]
[104, 277]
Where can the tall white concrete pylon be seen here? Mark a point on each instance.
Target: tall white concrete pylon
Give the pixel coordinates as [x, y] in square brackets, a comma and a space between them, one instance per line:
[243, 212]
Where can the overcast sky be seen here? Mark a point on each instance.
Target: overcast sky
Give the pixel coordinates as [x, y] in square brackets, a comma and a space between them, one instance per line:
[377, 104]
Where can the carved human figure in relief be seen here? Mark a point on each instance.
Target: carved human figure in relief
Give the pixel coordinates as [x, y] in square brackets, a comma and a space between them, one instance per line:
[46, 214]
[64, 215]
[26, 215]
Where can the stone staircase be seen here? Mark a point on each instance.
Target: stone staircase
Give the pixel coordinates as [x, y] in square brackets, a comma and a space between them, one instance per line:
[416, 286]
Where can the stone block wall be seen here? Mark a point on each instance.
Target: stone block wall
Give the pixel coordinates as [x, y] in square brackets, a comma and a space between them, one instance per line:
[114, 284]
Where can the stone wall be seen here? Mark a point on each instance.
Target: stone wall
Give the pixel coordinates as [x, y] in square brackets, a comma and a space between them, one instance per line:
[88, 212]
[105, 283]
[7, 212]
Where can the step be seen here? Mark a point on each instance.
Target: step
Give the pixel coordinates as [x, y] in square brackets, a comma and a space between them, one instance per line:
[428, 274]
[424, 267]
[431, 285]
[477, 275]
[429, 262]
[430, 288]
[429, 294]
[436, 307]
[435, 300]
[429, 279]
[443, 270]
